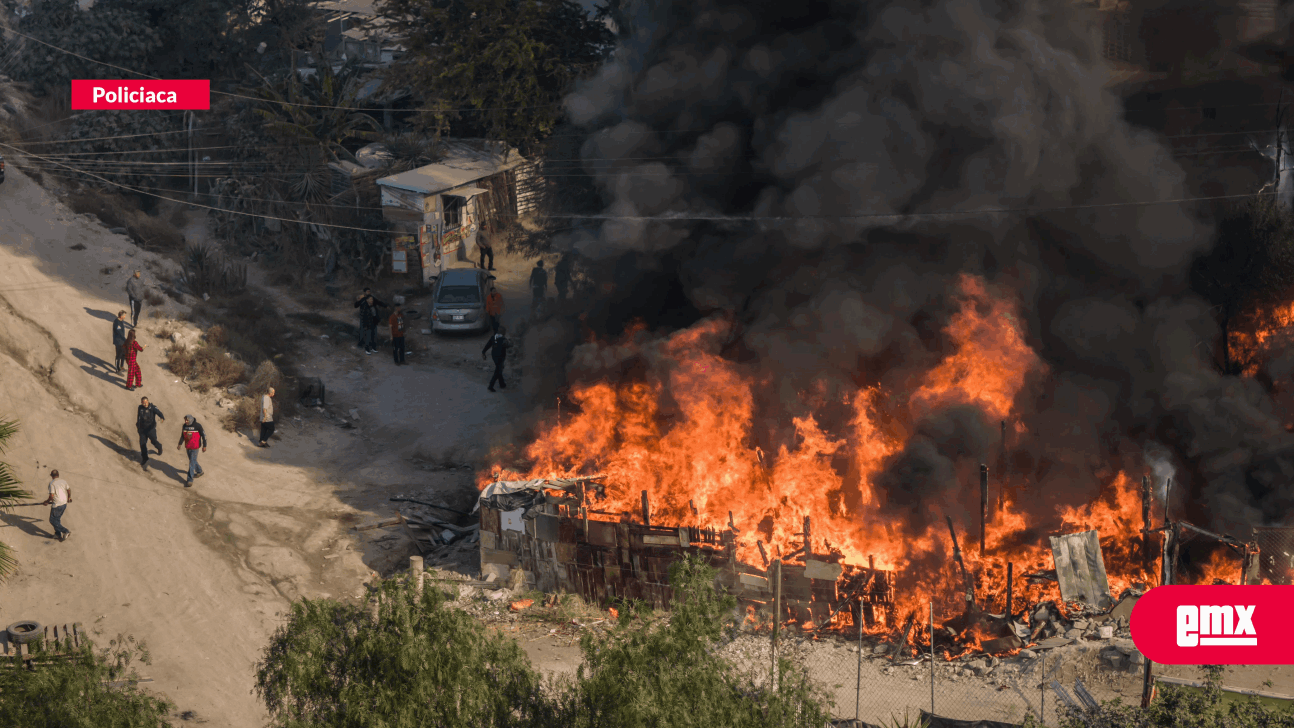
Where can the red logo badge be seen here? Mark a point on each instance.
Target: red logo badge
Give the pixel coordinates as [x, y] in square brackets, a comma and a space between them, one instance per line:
[1215, 625]
[163, 95]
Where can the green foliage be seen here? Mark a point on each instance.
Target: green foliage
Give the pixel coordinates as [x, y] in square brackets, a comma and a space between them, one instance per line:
[653, 670]
[109, 33]
[420, 663]
[119, 159]
[1176, 707]
[1250, 266]
[508, 60]
[90, 689]
[317, 111]
[10, 494]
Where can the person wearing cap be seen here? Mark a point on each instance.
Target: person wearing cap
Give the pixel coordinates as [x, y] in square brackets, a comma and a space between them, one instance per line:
[60, 494]
[192, 438]
[135, 292]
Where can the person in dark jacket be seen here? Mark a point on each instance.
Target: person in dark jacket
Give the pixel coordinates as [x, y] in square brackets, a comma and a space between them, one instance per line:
[369, 316]
[146, 422]
[499, 345]
[192, 438]
[487, 250]
[119, 339]
[538, 284]
[135, 292]
[562, 277]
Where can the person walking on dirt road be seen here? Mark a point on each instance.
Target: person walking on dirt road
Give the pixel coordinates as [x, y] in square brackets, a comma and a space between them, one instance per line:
[267, 417]
[538, 284]
[135, 292]
[494, 308]
[499, 345]
[133, 374]
[562, 277]
[192, 438]
[60, 494]
[146, 422]
[487, 250]
[119, 339]
[368, 319]
[397, 333]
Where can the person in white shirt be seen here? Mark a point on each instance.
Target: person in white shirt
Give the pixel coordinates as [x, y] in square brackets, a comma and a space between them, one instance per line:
[60, 494]
[267, 417]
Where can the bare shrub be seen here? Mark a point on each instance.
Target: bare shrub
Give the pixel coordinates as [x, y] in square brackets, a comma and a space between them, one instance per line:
[206, 367]
[267, 375]
[207, 271]
[119, 211]
[154, 299]
[245, 414]
[217, 336]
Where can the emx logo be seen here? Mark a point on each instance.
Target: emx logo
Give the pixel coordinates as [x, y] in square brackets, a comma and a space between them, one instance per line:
[1214, 625]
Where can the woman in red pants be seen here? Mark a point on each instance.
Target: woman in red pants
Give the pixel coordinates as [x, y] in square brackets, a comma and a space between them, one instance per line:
[134, 377]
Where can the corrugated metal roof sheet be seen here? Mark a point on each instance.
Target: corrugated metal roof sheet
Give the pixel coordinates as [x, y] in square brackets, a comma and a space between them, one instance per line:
[359, 7]
[465, 162]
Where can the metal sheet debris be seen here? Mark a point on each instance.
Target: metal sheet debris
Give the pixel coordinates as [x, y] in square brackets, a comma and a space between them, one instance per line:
[511, 520]
[1080, 569]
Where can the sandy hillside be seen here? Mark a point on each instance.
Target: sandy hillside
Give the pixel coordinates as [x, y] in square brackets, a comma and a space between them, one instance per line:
[201, 573]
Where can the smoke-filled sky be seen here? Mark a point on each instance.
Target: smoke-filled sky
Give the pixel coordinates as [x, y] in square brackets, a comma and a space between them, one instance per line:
[804, 149]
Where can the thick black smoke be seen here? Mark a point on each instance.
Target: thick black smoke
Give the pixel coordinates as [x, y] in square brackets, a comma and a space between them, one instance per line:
[820, 173]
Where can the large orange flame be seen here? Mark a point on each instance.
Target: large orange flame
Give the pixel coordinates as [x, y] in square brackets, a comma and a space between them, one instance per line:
[684, 433]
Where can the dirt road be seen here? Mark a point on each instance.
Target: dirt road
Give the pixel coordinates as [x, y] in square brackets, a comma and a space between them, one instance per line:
[200, 573]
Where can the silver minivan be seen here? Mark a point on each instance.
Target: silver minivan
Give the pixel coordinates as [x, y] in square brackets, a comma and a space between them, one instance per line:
[458, 300]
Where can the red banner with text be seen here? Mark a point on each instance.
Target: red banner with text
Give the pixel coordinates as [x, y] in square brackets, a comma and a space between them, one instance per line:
[156, 95]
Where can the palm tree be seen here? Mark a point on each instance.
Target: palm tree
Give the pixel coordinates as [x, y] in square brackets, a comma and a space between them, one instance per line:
[10, 494]
[318, 111]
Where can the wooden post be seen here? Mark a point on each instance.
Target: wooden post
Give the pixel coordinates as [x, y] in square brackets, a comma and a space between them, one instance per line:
[932, 657]
[858, 690]
[1010, 572]
[1147, 685]
[416, 570]
[983, 509]
[808, 539]
[646, 510]
[1147, 554]
[1001, 470]
[776, 573]
[871, 562]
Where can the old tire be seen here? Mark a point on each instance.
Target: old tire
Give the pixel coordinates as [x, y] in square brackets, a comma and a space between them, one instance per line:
[24, 632]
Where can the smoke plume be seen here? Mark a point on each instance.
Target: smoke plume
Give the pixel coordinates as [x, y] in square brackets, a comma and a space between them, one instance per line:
[823, 174]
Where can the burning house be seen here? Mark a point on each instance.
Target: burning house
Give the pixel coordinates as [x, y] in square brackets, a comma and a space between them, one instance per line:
[891, 296]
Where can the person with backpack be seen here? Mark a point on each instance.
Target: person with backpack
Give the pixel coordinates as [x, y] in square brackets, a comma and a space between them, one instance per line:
[499, 345]
[119, 339]
[134, 377]
[192, 438]
[146, 423]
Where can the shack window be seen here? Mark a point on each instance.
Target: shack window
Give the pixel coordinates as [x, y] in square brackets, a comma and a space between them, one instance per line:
[453, 211]
[399, 261]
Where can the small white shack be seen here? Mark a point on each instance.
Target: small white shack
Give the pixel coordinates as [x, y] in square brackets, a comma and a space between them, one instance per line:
[438, 210]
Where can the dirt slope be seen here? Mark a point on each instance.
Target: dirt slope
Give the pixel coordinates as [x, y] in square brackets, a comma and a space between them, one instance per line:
[198, 573]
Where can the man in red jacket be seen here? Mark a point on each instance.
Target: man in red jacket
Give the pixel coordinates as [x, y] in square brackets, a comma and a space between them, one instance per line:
[397, 333]
[192, 438]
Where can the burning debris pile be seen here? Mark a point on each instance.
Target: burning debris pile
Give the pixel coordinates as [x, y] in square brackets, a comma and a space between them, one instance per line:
[890, 289]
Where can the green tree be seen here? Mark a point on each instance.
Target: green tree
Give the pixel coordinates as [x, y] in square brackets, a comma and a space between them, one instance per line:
[508, 61]
[88, 689]
[10, 494]
[1250, 267]
[317, 112]
[1179, 707]
[419, 663]
[663, 670]
[116, 35]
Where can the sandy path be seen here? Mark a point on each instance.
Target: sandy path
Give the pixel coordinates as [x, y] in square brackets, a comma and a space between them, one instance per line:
[202, 573]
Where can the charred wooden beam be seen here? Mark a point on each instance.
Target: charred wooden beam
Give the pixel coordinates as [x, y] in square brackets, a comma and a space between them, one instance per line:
[957, 556]
[808, 539]
[1001, 471]
[901, 645]
[762, 553]
[1147, 554]
[1010, 573]
[646, 510]
[732, 525]
[983, 508]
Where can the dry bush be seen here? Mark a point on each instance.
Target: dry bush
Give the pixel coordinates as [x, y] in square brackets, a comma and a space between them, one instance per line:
[217, 336]
[124, 212]
[246, 413]
[267, 375]
[205, 367]
[152, 298]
